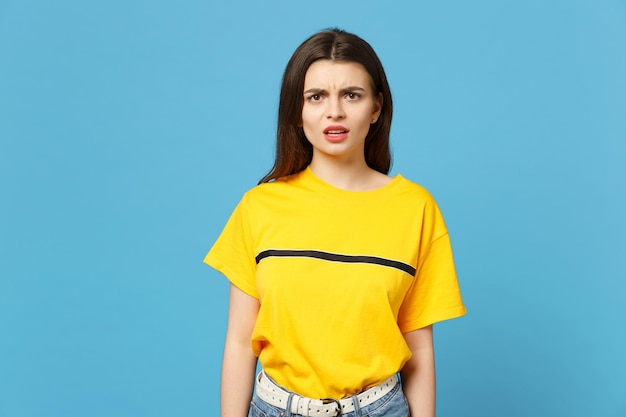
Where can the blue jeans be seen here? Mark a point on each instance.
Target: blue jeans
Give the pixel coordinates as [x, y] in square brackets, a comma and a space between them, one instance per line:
[393, 404]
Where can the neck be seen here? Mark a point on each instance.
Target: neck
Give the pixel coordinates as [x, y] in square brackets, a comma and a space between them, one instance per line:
[346, 175]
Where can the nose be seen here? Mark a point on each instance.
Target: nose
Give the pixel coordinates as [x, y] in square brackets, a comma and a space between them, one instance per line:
[335, 109]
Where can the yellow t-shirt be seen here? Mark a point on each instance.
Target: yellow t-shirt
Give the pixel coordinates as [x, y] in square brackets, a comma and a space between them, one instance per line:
[340, 276]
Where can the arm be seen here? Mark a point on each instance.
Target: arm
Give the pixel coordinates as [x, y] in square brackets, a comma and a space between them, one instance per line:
[418, 374]
[239, 363]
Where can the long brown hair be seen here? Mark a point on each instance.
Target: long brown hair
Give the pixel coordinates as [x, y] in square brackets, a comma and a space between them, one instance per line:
[293, 150]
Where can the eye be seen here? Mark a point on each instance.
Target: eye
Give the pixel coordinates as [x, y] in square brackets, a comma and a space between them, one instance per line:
[353, 96]
[314, 98]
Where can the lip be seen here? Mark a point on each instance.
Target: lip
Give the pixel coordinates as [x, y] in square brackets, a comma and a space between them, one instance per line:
[336, 133]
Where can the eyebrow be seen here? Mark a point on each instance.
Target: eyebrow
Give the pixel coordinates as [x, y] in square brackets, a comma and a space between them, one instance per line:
[342, 91]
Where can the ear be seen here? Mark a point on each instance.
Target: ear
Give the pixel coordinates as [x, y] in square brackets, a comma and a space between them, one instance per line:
[378, 108]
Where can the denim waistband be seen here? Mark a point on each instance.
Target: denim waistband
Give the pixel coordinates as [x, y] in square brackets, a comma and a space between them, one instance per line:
[272, 400]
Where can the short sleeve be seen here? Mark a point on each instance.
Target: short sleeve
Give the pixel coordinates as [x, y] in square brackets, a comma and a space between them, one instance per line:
[232, 252]
[434, 294]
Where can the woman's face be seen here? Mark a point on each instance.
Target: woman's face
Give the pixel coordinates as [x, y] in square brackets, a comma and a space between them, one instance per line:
[338, 109]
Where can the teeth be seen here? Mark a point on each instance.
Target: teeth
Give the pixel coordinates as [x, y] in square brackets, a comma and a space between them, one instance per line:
[334, 132]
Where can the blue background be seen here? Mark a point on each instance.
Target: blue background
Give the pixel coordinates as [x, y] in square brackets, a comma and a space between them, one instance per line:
[129, 131]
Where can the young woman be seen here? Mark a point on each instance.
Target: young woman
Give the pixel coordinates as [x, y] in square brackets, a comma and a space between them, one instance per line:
[337, 270]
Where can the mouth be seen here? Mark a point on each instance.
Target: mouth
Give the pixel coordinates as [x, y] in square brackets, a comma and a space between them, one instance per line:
[335, 130]
[335, 133]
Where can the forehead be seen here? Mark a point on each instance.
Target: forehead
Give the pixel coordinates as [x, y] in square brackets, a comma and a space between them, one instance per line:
[329, 74]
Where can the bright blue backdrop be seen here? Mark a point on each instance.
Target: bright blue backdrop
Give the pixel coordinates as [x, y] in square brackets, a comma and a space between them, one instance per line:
[130, 129]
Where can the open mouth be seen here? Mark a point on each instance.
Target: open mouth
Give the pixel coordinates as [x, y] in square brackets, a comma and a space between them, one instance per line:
[336, 131]
[335, 134]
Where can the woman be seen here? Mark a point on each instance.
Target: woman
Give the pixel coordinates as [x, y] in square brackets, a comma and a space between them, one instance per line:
[337, 270]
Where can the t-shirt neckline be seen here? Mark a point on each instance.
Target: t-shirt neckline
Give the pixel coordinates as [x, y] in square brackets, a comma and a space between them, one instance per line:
[310, 178]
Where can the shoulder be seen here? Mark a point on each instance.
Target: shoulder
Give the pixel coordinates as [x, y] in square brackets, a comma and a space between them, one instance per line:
[278, 185]
[270, 191]
[413, 191]
[417, 199]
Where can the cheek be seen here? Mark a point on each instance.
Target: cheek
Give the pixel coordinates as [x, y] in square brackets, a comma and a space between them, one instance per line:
[365, 119]
[309, 116]
[307, 125]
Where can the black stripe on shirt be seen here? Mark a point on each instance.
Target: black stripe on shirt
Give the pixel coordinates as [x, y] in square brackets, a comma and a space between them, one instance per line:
[336, 257]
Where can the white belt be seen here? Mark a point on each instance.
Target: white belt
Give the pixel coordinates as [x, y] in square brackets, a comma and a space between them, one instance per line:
[274, 395]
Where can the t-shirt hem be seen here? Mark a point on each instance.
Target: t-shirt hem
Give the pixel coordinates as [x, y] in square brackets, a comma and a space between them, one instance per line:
[431, 319]
[231, 276]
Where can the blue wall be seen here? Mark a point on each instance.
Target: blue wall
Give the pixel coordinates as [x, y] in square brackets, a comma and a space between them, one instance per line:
[129, 130]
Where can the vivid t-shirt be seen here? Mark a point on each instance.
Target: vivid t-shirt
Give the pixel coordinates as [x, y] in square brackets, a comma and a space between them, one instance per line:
[339, 276]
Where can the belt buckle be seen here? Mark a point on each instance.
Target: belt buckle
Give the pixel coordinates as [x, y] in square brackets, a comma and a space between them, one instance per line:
[332, 400]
